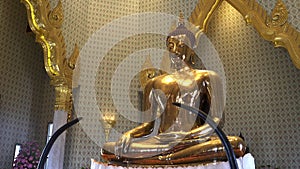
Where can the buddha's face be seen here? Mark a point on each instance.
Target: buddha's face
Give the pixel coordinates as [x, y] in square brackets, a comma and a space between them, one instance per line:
[176, 45]
[179, 50]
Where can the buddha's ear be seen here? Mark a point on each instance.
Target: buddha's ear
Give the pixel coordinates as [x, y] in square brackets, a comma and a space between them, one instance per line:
[191, 55]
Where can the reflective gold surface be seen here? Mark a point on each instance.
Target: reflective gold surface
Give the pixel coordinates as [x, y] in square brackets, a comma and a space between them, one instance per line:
[108, 121]
[173, 135]
[148, 74]
[46, 24]
[274, 28]
[206, 152]
[202, 13]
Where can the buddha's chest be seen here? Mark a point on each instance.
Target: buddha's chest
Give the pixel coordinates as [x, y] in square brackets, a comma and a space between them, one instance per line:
[175, 92]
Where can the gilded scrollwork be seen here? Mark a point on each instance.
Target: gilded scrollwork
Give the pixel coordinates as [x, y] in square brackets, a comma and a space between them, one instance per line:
[274, 28]
[46, 25]
[56, 15]
[202, 13]
[279, 15]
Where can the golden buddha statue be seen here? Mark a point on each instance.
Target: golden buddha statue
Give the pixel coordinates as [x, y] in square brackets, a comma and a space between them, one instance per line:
[175, 135]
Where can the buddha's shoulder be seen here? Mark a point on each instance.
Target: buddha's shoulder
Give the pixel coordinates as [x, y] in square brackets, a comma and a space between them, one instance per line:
[165, 79]
[205, 74]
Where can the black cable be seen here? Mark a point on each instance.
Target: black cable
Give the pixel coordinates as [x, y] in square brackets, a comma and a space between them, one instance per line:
[229, 151]
[53, 138]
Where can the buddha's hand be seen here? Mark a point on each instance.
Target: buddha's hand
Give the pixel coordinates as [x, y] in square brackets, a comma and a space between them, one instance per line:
[122, 145]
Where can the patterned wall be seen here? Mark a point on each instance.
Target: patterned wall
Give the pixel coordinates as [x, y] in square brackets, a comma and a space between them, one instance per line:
[262, 83]
[26, 99]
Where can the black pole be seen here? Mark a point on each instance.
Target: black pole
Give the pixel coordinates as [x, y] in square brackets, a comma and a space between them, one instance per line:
[50, 143]
[229, 151]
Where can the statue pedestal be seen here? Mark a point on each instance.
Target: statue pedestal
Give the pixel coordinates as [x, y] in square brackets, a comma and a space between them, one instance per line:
[245, 162]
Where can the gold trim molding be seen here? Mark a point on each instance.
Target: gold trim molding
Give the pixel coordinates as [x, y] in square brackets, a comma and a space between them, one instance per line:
[46, 25]
[273, 28]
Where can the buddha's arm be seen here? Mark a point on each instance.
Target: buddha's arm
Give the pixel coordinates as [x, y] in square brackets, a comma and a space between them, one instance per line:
[211, 103]
[141, 130]
[122, 145]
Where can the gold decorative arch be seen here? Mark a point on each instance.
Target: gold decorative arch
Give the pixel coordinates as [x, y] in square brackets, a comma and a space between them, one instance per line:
[46, 25]
[274, 28]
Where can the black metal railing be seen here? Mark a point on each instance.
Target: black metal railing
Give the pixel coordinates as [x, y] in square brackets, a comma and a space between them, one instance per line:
[53, 138]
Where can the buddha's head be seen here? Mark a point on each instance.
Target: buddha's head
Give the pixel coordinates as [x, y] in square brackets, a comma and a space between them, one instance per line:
[180, 44]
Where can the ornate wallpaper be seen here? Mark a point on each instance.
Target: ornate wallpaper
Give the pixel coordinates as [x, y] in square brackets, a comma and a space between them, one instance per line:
[26, 98]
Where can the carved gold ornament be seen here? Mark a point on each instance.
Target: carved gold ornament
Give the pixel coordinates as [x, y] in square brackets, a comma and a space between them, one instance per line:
[274, 28]
[46, 25]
